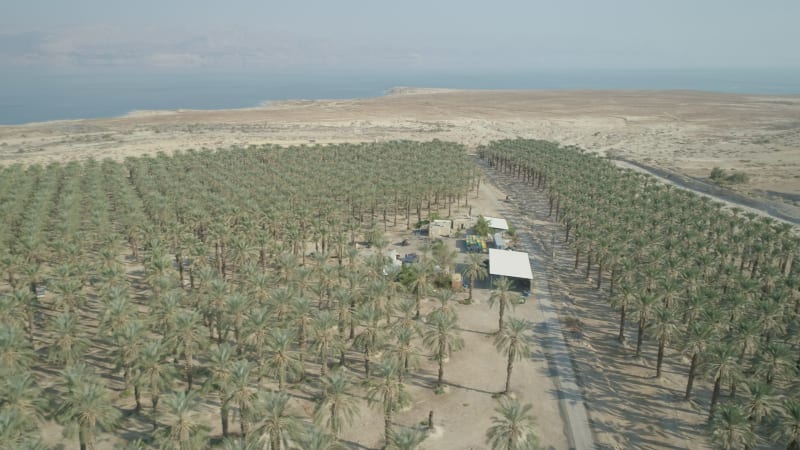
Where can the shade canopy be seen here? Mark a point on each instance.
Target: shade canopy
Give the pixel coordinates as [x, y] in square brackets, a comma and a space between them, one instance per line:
[507, 263]
[497, 224]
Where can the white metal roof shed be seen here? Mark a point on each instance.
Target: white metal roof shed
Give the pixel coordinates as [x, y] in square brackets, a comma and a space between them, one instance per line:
[508, 263]
[497, 224]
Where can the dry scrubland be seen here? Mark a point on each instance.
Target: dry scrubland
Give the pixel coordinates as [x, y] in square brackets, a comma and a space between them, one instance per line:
[686, 131]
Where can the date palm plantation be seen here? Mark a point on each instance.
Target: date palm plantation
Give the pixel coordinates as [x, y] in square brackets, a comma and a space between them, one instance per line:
[717, 285]
[172, 300]
[180, 290]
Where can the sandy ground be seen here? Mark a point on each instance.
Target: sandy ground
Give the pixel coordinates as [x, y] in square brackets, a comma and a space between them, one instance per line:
[690, 132]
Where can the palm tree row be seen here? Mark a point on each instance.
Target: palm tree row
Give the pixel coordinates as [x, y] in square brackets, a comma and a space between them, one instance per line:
[718, 285]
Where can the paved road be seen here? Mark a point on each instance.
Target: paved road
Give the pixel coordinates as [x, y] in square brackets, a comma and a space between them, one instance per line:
[573, 409]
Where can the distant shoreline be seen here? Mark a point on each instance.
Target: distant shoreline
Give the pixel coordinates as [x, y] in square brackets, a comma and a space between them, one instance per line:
[398, 91]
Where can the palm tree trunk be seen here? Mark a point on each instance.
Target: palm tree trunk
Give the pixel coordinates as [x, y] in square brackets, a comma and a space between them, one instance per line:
[243, 425]
[588, 265]
[352, 322]
[334, 421]
[509, 368]
[640, 336]
[82, 437]
[155, 410]
[611, 282]
[302, 350]
[660, 357]
[441, 372]
[387, 426]
[502, 312]
[137, 395]
[714, 397]
[366, 362]
[223, 413]
[189, 375]
[622, 314]
[599, 274]
[179, 261]
[692, 369]
[31, 326]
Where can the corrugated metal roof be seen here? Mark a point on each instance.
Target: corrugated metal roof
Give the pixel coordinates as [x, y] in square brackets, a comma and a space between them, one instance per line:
[508, 263]
[499, 224]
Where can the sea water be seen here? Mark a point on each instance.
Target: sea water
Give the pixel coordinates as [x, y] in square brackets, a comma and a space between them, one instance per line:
[34, 96]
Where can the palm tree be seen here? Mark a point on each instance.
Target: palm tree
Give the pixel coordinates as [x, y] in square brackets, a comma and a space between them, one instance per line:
[29, 303]
[277, 427]
[406, 439]
[301, 319]
[154, 373]
[722, 366]
[242, 444]
[242, 393]
[481, 227]
[128, 344]
[513, 427]
[237, 307]
[86, 408]
[697, 338]
[187, 338]
[420, 281]
[774, 361]
[442, 338]
[317, 439]
[184, 430]
[16, 433]
[68, 343]
[621, 300]
[760, 402]
[403, 349]
[475, 270]
[511, 342]
[16, 353]
[326, 341]
[335, 405]
[665, 328]
[282, 360]
[446, 303]
[730, 428]
[370, 338]
[786, 428]
[502, 297]
[22, 399]
[387, 391]
[645, 304]
[219, 380]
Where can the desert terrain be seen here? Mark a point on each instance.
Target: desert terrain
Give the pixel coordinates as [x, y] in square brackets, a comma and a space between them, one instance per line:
[685, 131]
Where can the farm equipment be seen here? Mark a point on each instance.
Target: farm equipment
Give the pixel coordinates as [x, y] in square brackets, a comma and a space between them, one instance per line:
[476, 244]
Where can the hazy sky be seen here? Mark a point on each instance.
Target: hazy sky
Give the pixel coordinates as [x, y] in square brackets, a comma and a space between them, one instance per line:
[408, 35]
